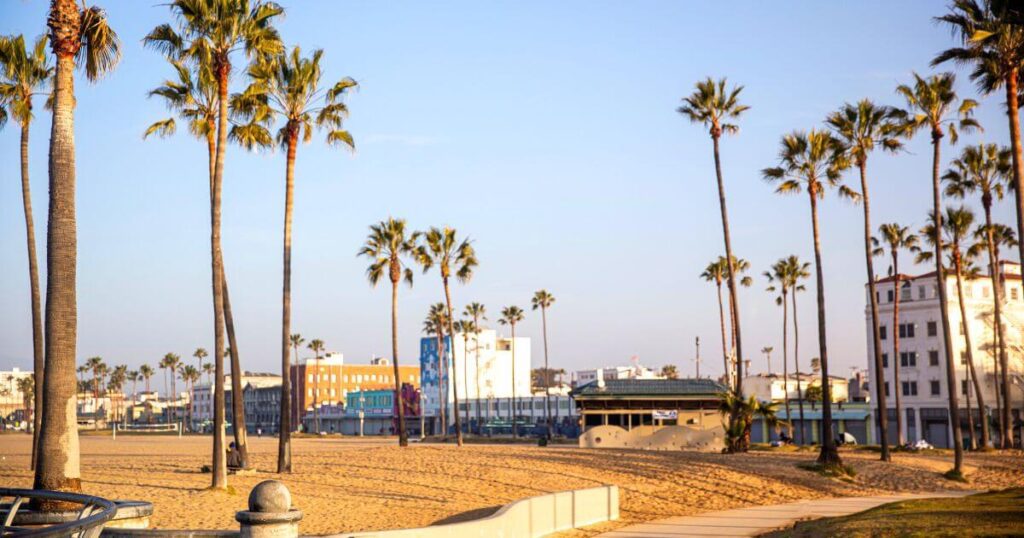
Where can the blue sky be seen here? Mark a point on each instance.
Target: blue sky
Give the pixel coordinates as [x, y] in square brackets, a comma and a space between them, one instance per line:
[545, 130]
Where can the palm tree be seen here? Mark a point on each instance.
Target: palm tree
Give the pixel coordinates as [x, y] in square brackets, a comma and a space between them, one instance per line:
[464, 327]
[861, 128]
[543, 300]
[190, 374]
[741, 413]
[79, 37]
[813, 162]
[767, 350]
[93, 364]
[146, 371]
[897, 238]
[436, 323]
[207, 34]
[510, 315]
[477, 312]
[284, 447]
[669, 371]
[316, 346]
[713, 106]
[778, 281]
[24, 74]
[173, 361]
[289, 86]
[956, 227]
[388, 246]
[985, 169]
[934, 105]
[992, 39]
[210, 371]
[193, 96]
[442, 248]
[716, 272]
[200, 354]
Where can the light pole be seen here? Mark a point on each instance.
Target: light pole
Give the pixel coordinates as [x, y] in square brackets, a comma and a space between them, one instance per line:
[362, 404]
[423, 416]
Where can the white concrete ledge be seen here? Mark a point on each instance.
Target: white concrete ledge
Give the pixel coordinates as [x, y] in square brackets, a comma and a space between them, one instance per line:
[533, 517]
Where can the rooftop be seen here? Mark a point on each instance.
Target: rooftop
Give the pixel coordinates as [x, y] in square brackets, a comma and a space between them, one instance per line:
[650, 387]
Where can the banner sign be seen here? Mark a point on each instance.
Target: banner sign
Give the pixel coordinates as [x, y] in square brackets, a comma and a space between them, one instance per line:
[665, 414]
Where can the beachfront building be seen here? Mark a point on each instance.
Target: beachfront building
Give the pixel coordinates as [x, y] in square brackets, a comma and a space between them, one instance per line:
[530, 415]
[13, 410]
[483, 369]
[774, 387]
[923, 386]
[368, 412]
[636, 371]
[202, 405]
[655, 414]
[262, 407]
[328, 381]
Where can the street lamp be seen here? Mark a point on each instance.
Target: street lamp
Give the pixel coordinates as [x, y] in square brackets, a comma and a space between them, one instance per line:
[423, 416]
[362, 405]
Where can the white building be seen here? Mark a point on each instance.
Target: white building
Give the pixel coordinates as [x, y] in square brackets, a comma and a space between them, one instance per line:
[482, 367]
[637, 371]
[202, 404]
[774, 388]
[11, 398]
[923, 385]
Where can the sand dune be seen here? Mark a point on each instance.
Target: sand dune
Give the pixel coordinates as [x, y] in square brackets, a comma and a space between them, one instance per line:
[351, 484]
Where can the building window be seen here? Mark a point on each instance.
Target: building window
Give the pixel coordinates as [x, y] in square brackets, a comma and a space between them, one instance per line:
[1013, 293]
[963, 386]
[886, 389]
[334, 378]
[933, 328]
[933, 358]
[885, 360]
[905, 292]
[906, 330]
[888, 296]
[920, 292]
[935, 388]
[310, 378]
[908, 359]
[963, 357]
[882, 332]
[969, 291]
[984, 292]
[910, 388]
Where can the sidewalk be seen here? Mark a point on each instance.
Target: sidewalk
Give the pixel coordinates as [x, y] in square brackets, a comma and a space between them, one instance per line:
[756, 520]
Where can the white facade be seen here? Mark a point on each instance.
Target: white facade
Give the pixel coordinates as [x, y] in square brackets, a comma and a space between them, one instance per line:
[487, 354]
[773, 388]
[11, 398]
[582, 377]
[202, 405]
[922, 372]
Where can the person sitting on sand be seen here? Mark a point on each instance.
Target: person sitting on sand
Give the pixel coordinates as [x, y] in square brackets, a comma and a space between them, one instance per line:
[234, 457]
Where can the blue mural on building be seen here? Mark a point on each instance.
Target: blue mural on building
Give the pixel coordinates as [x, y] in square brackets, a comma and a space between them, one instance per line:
[433, 372]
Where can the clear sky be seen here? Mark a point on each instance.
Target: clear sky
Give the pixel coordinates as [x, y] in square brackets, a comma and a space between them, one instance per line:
[545, 130]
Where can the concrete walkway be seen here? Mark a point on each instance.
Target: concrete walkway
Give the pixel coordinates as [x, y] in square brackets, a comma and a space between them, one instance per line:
[756, 520]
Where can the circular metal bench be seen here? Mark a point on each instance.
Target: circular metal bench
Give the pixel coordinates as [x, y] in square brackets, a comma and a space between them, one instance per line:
[86, 522]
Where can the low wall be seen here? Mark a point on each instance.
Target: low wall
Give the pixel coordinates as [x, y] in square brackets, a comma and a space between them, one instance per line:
[532, 517]
[654, 438]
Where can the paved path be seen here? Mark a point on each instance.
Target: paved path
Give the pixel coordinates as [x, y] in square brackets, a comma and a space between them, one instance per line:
[756, 520]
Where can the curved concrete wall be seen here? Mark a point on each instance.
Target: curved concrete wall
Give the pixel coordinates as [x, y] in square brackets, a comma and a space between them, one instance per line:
[654, 438]
[532, 517]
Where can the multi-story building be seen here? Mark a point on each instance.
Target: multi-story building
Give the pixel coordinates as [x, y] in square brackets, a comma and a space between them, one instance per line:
[262, 407]
[329, 380]
[483, 367]
[202, 404]
[12, 401]
[775, 388]
[923, 386]
[608, 373]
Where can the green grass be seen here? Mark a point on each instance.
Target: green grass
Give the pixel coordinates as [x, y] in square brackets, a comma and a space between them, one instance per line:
[841, 471]
[997, 513]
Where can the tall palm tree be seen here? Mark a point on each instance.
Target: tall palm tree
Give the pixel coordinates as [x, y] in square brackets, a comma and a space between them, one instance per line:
[767, 350]
[171, 362]
[510, 315]
[796, 272]
[543, 300]
[738, 431]
[316, 346]
[190, 374]
[93, 364]
[985, 169]
[79, 37]
[208, 32]
[442, 248]
[193, 96]
[897, 238]
[436, 323]
[934, 105]
[477, 312]
[146, 371]
[780, 280]
[715, 272]
[956, 230]
[463, 327]
[712, 106]
[812, 162]
[200, 354]
[288, 86]
[861, 128]
[210, 371]
[389, 246]
[284, 461]
[992, 39]
[24, 74]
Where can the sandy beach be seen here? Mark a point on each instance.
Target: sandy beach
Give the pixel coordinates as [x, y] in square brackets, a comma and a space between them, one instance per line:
[352, 484]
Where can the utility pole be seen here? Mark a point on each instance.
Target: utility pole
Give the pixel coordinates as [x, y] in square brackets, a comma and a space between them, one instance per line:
[697, 360]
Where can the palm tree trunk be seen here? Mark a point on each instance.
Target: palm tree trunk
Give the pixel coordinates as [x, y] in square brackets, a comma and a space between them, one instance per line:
[970, 416]
[796, 366]
[284, 446]
[999, 330]
[829, 456]
[547, 370]
[785, 359]
[238, 400]
[454, 381]
[515, 431]
[38, 362]
[403, 440]
[733, 302]
[477, 375]
[441, 364]
[57, 467]
[970, 361]
[1013, 113]
[997, 343]
[876, 340]
[219, 474]
[895, 359]
[721, 324]
[940, 272]
[316, 393]
[465, 380]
